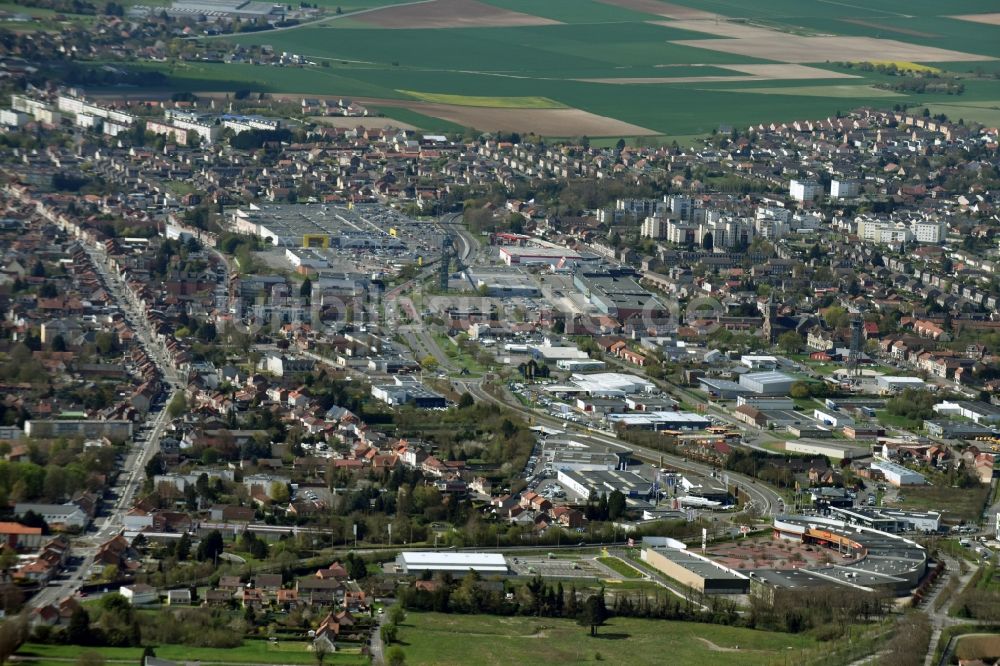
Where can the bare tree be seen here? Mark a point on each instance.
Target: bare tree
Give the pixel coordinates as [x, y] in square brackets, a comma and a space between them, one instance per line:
[13, 633]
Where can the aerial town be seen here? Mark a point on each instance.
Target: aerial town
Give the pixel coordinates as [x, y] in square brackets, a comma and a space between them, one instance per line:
[287, 379]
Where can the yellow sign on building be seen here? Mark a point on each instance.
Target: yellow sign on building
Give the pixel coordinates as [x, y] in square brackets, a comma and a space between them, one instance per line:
[316, 240]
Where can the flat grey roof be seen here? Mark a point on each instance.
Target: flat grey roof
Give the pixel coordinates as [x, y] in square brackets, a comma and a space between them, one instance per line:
[694, 564]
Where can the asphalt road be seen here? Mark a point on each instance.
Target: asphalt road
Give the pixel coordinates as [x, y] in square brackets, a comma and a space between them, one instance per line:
[134, 469]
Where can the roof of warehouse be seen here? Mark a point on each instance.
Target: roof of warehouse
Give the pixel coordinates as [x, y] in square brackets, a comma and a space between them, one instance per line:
[450, 559]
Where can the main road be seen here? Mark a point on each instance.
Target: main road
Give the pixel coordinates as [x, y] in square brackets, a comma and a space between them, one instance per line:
[134, 468]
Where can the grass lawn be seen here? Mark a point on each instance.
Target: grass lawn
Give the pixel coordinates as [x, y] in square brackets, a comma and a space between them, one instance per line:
[458, 356]
[620, 566]
[251, 652]
[429, 638]
[885, 418]
[956, 503]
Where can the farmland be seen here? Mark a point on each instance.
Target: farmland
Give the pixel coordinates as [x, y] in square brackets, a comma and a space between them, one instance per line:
[628, 67]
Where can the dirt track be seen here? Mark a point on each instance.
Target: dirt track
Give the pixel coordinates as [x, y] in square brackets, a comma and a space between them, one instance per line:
[450, 14]
[548, 122]
[792, 48]
[657, 8]
[988, 19]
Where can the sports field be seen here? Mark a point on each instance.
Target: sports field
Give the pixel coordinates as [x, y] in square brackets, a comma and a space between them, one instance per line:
[627, 67]
[429, 638]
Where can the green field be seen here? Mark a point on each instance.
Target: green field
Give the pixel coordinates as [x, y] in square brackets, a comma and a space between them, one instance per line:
[539, 67]
[621, 567]
[430, 638]
[251, 652]
[987, 113]
[955, 503]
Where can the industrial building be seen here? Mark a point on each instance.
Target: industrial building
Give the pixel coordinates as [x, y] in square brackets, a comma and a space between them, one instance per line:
[502, 282]
[831, 450]
[887, 384]
[889, 520]
[614, 292]
[696, 571]
[975, 410]
[513, 255]
[612, 383]
[723, 389]
[660, 420]
[571, 455]
[416, 563]
[408, 391]
[604, 482]
[957, 429]
[580, 365]
[227, 9]
[898, 475]
[767, 383]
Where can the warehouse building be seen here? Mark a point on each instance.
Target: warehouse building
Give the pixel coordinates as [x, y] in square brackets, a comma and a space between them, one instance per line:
[659, 420]
[571, 455]
[502, 282]
[416, 563]
[887, 384]
[513, 255]
[695, 571]
[767, 383]
[898, 475]
[957, 429]
[889, 520]
[723, 389]
[408, 391]
[975, 410]
[614, 292]
[831, 450]
[604, 482]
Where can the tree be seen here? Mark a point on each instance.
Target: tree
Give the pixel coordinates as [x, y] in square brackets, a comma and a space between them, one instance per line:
[177, 406]
[616, 504]
[306, 290]
[320, 652]
[78, 631]
[8, 559]
[389, 632]
[429, 362]
[183, 549]
[799, 390]
[211, 546]
[356, 567]
[836, 316]
[790, 342]
[395, 656]
[279, 492]
[466, 401]
[13, 633]
[594, 612]
[397, 615]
